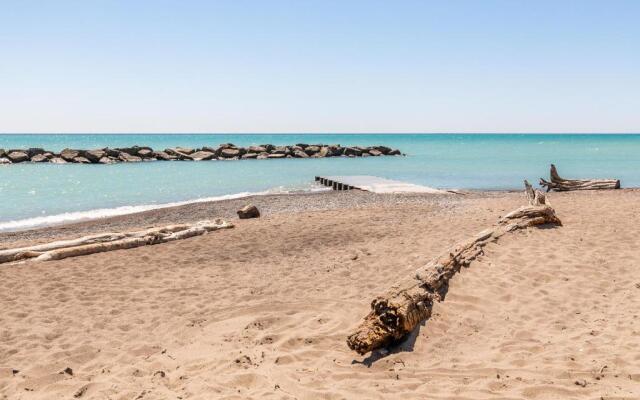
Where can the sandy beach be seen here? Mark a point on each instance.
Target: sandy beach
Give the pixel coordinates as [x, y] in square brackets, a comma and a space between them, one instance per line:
[263, 310]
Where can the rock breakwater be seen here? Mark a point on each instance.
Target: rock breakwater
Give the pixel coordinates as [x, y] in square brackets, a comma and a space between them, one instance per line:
[227, 151]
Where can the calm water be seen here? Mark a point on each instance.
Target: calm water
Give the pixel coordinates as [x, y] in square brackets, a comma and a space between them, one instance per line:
[38, 194]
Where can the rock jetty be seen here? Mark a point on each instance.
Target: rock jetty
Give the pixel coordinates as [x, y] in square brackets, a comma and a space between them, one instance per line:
[227, 151]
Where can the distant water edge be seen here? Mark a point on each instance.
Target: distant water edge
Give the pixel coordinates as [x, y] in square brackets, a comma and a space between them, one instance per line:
[36, 195]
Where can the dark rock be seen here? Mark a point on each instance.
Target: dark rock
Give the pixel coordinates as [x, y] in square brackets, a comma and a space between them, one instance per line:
[300, 154]
[229, 153]
[69, 154]
[161, 155]
[93, 155]
[184, 150]
[268, 147]
[132, 151]
[395, 152]
[311, 150]
[18, 156]
[227, 146]
[178, 153]
[126, 157]
[202, 155]
[34, 151]
[325, 152]
[262, 156]
[80, 160]
[257, 149]
[383, 149]
[281, 150]
[248, 211]
[145, 152]
[106, 160]
[38, 158]
[352, 151]
[302, 145]
[48, 154]
[2, 153]
[111, 152]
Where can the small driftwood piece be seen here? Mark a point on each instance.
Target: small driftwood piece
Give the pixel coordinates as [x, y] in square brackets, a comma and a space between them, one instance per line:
[110, 241]
[562, 185]
[409, 302]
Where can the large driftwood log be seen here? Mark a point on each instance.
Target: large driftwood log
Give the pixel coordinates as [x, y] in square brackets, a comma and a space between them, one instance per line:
[562, 185]
[111, 241]
[397, 312]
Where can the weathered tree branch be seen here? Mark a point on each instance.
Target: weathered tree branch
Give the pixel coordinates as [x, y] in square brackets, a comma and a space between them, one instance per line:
[408, 302]
[111, 241]
[562, 185]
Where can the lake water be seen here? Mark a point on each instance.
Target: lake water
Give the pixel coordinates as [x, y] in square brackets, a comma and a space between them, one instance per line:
[40, 194]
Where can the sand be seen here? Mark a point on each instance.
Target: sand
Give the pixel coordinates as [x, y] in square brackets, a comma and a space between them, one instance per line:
[263, 310]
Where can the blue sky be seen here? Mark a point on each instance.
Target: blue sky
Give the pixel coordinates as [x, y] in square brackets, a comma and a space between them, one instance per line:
[319, 66]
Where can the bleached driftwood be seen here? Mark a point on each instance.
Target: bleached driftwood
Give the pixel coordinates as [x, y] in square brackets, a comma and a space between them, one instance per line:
[408, 302]
[111, 241]
[562, 185]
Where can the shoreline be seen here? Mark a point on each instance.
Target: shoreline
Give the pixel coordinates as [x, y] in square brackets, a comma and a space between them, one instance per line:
[268, 204]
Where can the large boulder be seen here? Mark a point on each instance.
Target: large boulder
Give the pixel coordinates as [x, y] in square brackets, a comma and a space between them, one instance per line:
[111, 152]
[57, 160]
[229, 153]
[249, 156]
[18, 156]
[180, 153]
[209, 149]
[161, 155]
[300, 154]
[34, 151]
[107, 160]
[248, 211]
[311, 150]
[81, 160]
[284, 150]
[256, 149]
[38, 158]
[94, 155]
[383, 149]
[145, 152]
[69, 154]
[324, 152]
[268, 147]
[352, 152]
[375, 152]
[126, 157]
[202, 155]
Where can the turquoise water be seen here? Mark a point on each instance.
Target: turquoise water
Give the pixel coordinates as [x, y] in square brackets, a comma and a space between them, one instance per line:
[38, 194]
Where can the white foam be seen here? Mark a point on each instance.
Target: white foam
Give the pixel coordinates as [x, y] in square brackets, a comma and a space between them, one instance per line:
[78, 216]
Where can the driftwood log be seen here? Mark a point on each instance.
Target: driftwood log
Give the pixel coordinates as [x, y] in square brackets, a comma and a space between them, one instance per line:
[409, 302]
[562, 185]
[110, 241]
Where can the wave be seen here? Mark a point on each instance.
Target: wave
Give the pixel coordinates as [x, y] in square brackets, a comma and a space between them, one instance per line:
[79, 216]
